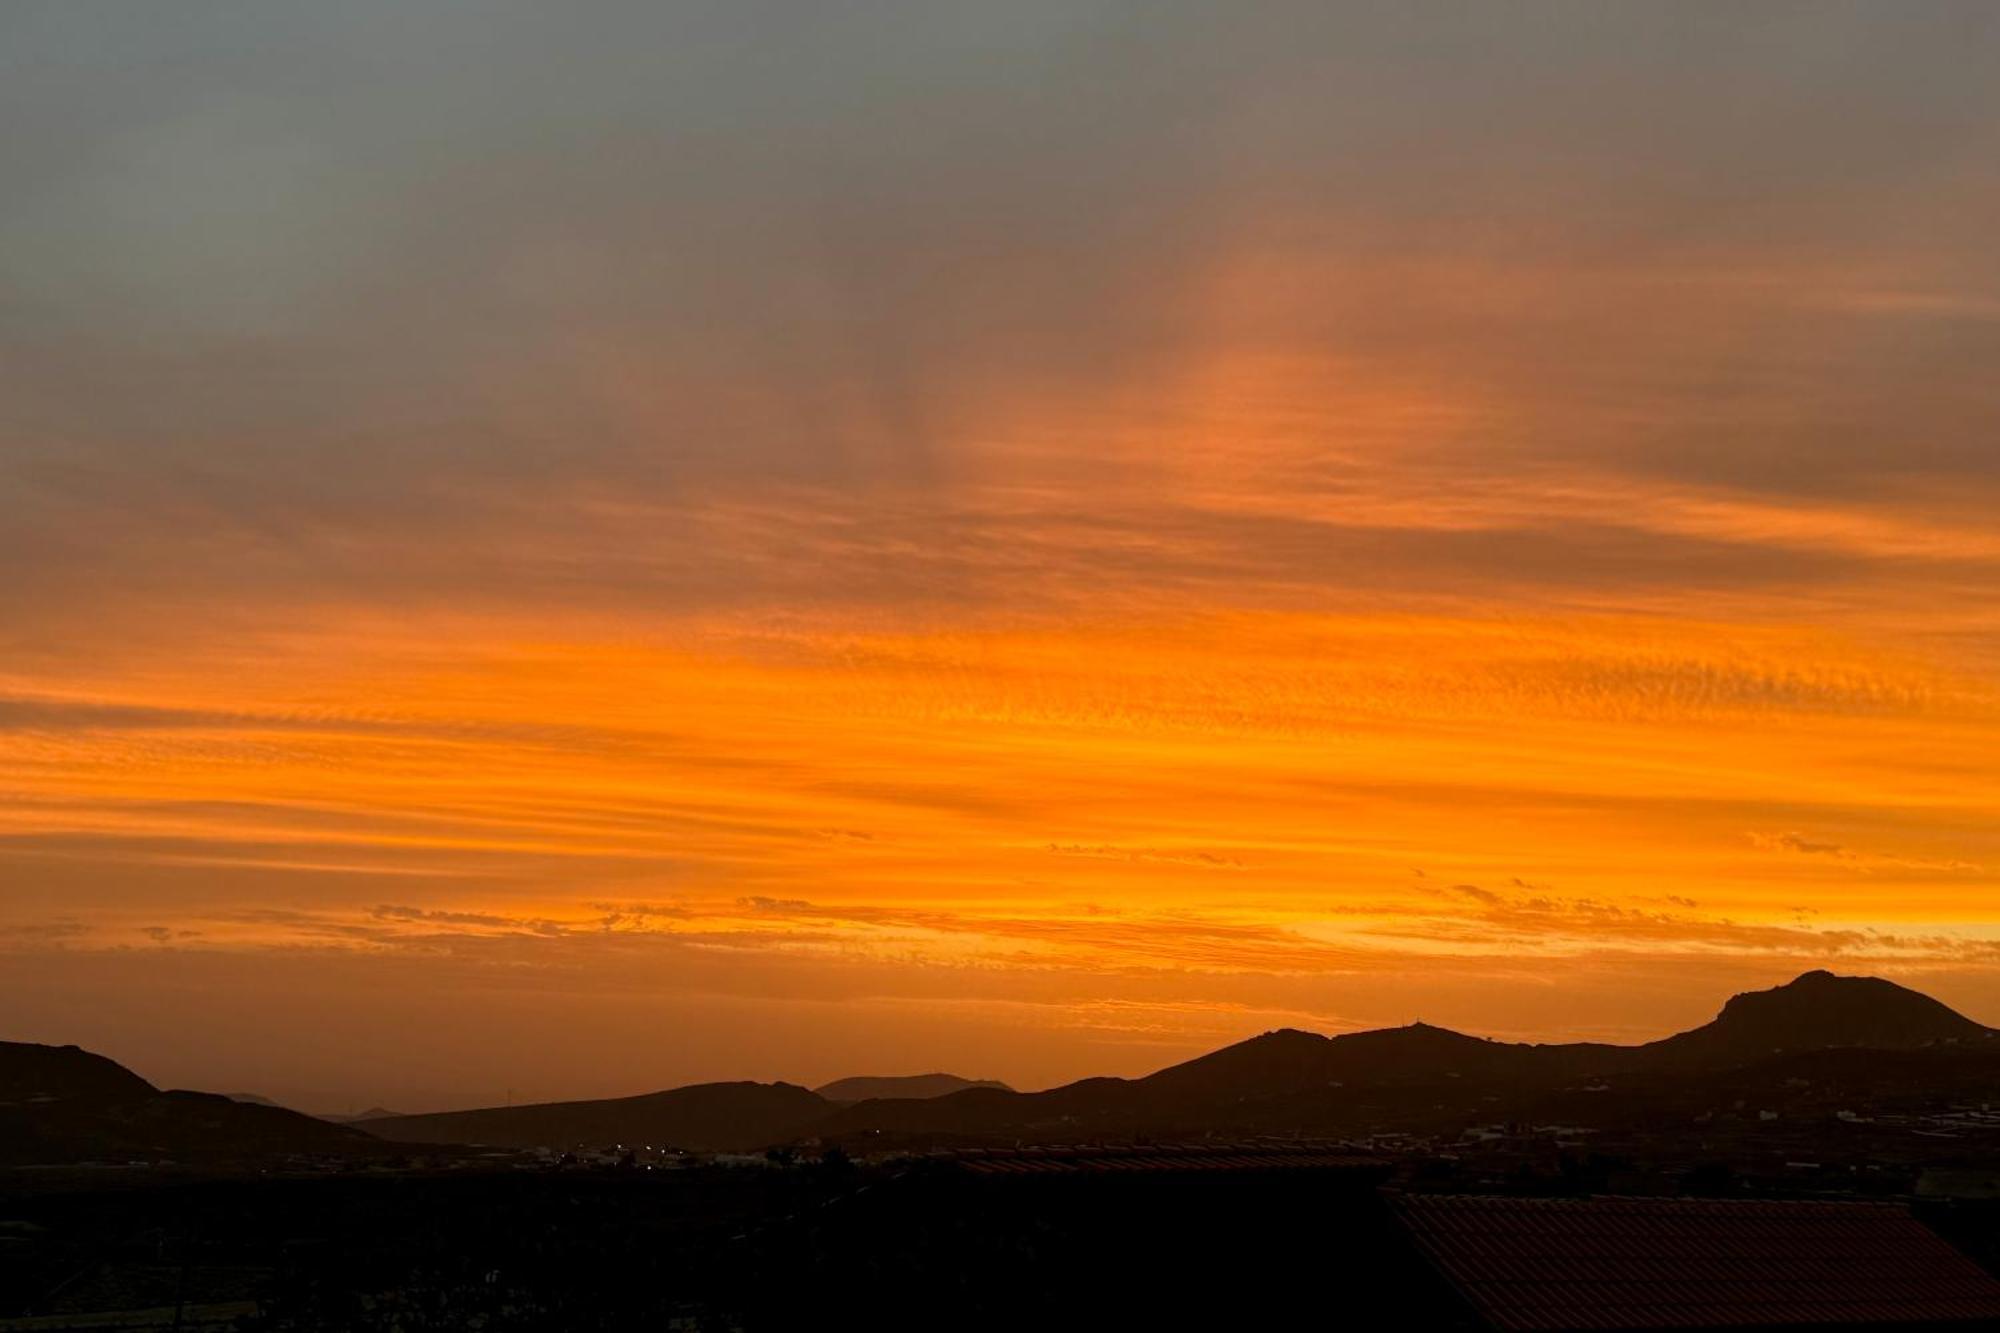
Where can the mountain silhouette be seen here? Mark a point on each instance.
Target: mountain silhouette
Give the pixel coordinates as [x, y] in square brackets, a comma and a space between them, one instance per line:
[1831, 1041]
[717, 1117]
[30, 1073]
[63, 1104]
[1407, 1078]
[1419, 1077]
[891, 1088]
[1819, 1011]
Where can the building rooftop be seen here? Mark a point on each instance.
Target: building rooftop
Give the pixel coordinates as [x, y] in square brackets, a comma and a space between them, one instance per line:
[1605, 1263]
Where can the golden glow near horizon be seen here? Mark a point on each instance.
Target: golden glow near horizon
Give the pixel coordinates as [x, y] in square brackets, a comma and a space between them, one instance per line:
[1031, 621]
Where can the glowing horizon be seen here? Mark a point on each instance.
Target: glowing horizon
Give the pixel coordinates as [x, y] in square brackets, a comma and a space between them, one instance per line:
[769, 551]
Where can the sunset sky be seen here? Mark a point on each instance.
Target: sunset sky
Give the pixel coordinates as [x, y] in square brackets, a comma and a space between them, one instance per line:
[560, 550]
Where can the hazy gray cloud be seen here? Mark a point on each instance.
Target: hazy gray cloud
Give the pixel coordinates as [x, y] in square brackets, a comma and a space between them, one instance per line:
[292, 292]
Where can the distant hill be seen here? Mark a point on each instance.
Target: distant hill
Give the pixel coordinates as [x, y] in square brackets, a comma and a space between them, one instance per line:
[717, 1117]
[361, 1117]
[902, 1087]
[63, 1104]
[336, 1118]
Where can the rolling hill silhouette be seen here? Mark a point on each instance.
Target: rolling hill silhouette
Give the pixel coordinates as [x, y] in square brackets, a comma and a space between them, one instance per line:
[63, 1104]
[718, 1117]
[892, 1088]
[1413, 1078]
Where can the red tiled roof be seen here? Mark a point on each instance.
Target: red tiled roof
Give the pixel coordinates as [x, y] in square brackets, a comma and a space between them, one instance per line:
[1160, 1157]
[1600, 1264]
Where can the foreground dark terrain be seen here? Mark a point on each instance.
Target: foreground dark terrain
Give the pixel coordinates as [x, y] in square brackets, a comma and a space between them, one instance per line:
[1207, 1192]
[719, 1248]
[916, 1245]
